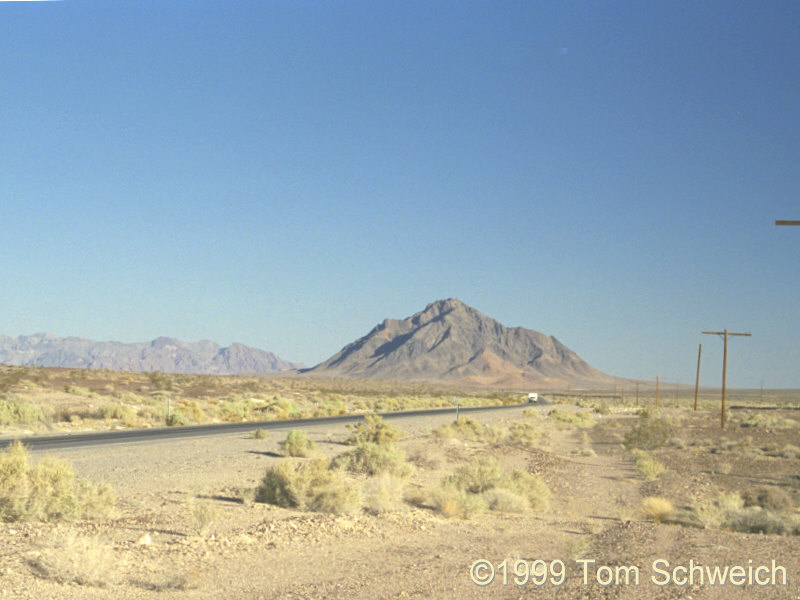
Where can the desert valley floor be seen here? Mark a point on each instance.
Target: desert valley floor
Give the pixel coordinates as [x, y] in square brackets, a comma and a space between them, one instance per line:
[186, 526]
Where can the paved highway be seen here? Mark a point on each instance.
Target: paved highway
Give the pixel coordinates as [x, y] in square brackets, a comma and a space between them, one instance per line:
[127, 436]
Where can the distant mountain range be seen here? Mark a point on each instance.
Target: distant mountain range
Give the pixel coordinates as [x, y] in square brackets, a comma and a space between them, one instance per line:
[448, 341]
[162, 354]
[452, 341]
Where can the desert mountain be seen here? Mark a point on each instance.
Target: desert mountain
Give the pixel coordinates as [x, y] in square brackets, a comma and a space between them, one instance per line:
[162, 354]
[452, 341]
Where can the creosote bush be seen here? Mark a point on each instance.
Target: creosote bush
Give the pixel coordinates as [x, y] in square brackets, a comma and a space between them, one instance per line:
[491, 486]
[768, 497]
[369, 458]
[308, 485]
[373, 429]
[648, 434]
[48, 490]
[581, 419]
[297, 443]
[647, 466]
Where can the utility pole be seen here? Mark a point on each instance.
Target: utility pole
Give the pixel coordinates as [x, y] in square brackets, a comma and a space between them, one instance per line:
[637, 393]
[657, 377]
[697, 379]
[725, 335]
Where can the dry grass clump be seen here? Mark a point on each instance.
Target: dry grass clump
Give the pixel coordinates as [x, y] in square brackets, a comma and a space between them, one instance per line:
[647, 466]
[297, 443]
[580, 419]
[259, 434]
[79, 560]
[48, 490]
[373, 429]
[308, 486]
[647, 434]
[656, 509]
[369, 458]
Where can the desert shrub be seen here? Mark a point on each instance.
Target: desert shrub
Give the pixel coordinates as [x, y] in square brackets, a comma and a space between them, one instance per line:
[121, 412]
[757, 520]
[494, 434]
[235, 410]
[47, 491]
[383, 493]
[530, 487]
[531, 413]
[307, 486]
[601, 408]
[768, 498]
[524, 434]
[453, 502]
[176, 419]
[297, 443]
[785, 451]
[77, 390]
[483, 473]
[283, 408]
[647, 466]
[373, 429]
[465, 427]
[286, 483]
[259, 434]
[647, 434]
[656, 509]
[192, 409]
[749, 419]
[648, 412]
[580, 419]
[16, 410]
[203, 514]
[718, 512]
[370, 458]
[503, 500]
[334, 495]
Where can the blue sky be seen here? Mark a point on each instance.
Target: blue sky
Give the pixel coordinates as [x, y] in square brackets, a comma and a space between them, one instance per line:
[288, 174]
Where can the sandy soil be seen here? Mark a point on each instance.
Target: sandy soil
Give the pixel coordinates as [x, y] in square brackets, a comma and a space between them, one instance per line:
[253, 550]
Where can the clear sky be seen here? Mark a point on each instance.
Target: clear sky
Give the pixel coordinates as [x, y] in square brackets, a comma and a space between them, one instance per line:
[288, 174]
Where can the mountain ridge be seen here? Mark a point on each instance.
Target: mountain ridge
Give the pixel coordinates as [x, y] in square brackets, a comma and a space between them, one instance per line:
[450, 340]
[165, 354]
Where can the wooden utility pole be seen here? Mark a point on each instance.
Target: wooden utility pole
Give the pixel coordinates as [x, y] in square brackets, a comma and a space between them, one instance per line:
[697, 379]
[725, 333]
[637, 393]
[657, 377]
